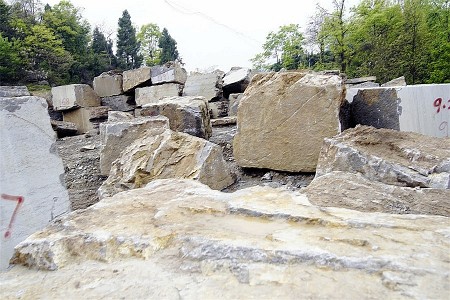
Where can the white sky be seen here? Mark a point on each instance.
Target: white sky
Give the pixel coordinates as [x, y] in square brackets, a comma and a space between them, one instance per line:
[209, 34]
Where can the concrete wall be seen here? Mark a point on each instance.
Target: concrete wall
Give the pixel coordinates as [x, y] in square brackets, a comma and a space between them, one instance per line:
[32, 191]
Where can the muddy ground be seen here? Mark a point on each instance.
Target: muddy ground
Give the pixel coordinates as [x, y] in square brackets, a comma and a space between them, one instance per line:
[81, 158]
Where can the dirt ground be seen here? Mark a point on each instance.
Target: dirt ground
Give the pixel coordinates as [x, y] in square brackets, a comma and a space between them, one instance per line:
[81, 158]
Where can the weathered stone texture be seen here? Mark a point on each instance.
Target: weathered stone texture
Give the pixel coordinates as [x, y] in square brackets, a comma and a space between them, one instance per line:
[207, 85]
[235, 99]
[236, 80]
[135, 78]
[169, 73]
[283, 119]
[117, 136]
[218, 109]
[186, 114]
[259, 242]
[395, 82]
[32, 193]
[388, 156]
[63, 129]
[153, 94]
[14, 91]
[87, 118]
[162, 154]
[107, 85]
[71, 96]
[119, 103]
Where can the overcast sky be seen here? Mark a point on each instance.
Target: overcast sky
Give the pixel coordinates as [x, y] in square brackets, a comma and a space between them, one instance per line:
[210, 34]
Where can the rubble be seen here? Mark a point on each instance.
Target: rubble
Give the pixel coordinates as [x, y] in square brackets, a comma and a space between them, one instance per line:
[153, 94]
[186, 114]
[207, 85]
[107, 85]
[283, 119]
[68, 97]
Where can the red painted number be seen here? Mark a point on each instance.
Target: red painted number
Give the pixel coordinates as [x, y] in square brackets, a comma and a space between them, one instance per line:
[19, 200]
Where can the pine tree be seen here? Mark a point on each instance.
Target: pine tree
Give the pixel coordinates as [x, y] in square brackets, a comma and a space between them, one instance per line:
[127, 45]
[168, 47]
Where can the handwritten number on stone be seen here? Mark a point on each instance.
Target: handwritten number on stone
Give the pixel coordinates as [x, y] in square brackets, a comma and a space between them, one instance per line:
[19, 200]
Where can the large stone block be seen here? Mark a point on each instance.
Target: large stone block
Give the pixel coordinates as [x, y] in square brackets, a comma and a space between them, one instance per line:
[71, 96]
[87, 118]
[162, 154]
[186, 114]
[283, 119]
[107, 85]
[258, 243]
[135, 78]
[423, 109]
[31, 172]
[14, 91]
[207, 85]
[153, 94]
[119, 102]
[388, 156]
[169, 73]
[117, 136]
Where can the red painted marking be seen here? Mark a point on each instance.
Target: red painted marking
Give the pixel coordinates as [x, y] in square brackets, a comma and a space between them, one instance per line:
[437, 103]
[19, 200]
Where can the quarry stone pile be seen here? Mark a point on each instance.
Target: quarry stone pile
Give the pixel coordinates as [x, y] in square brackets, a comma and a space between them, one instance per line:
[261, 242]
[32, 192]
[124, 103]
[283, 119]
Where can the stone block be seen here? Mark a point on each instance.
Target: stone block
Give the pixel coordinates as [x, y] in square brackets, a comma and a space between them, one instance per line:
[236, 80]
[119, 102]
[153, 94]
[234, 99]
[114, 116]
[31, 172]
[169, 73]
[107, 85]
[395, 82]
[64, 129]
[224, 121]
[117, 136]
[361, 80]
[218, 109]
[388, 156]
[283, 119]
[186, 114]
[163, 154]
[72, 96]
[136, 78]
[207, 85]
[424, 109]
[14, 91]
[87, 118]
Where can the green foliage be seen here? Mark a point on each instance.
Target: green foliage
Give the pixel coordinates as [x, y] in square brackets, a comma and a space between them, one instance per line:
[127, 44]
[282, 49]
[148, 37]
[10, 62]
[168, 47]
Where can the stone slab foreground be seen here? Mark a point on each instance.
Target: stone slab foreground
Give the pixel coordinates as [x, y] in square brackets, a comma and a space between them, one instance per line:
[283, 119]
[32, 191]
[178, 239]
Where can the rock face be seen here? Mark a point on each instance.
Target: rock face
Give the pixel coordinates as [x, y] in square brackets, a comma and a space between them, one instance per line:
[162, 154]
[259, 242]
[31, 187]
[119, 103]
[153, 94]
[87, 118]
[207, 85]
[283, 119]
[388, 156]
[72, 96]
[107, 85]
[186, 114]
[117, 136]
[14, 91]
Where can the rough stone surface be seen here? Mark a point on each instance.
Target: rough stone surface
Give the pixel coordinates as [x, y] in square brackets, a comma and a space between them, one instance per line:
[119, 103]
[207, 85]
[259, 242]
[169, 73]
[361, 80]
[224, 121]
[395, 82]
[88, 118]
[71, 96]
[236, 80]
[117, 136]
[186, 114]
[153, 94]
[64, 129]
[31, 187]
[388, 156]
[283, 119]
[367, 84]
[218, 109]
[163, 153]
[107, 85]
[234, 99]
[114, 116]
[136, 78]
[13, 91]
[354, 191]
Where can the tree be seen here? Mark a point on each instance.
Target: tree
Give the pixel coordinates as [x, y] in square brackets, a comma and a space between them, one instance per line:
[5, 17]
[148, 37]
[103, 47]
[127, 44]
[282, 49]
[10, 62]
[168, 47]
